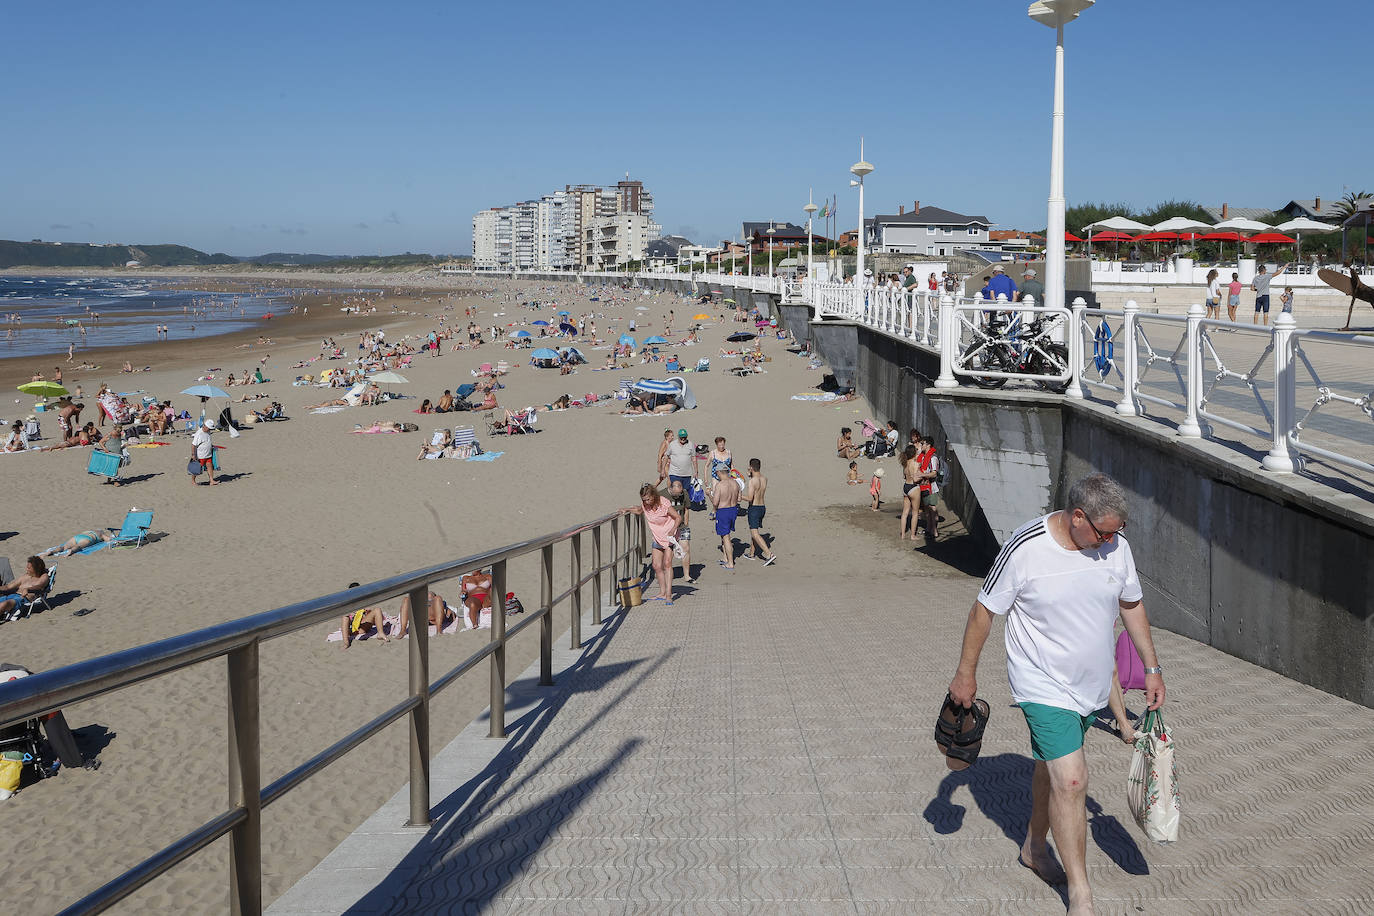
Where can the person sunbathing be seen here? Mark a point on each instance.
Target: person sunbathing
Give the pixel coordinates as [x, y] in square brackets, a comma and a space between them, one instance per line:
[476, 590]
[23, 590]
[77, 542]
[16, 442]
[441, 445]
[440, 614]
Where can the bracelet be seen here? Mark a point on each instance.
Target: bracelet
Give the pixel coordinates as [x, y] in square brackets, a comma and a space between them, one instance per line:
[1157, 669]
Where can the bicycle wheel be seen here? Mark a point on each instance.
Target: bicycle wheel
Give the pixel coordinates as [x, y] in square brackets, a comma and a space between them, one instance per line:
[985, 356]
[1057, 362]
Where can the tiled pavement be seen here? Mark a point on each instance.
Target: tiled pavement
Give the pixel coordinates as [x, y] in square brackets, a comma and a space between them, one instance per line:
[764, 746]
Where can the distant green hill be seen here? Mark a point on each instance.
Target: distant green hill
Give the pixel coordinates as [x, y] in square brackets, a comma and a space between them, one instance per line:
[50, 254]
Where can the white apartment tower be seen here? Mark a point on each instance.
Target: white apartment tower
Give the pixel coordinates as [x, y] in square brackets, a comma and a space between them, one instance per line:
[548, 233]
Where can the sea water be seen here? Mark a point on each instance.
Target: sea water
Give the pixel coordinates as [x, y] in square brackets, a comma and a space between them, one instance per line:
[53, 311]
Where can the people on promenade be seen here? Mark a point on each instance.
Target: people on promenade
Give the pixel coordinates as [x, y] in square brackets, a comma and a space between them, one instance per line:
[1233, 296]
[1261, 287]
[1061, 581]
[1213, 293]
[1287, 299]
[754, 494]
[724, 496]
[1030, 286]
[1001, 284]
[663, 524]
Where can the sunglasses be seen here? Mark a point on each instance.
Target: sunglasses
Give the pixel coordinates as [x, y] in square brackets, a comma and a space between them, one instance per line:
[1102, 538]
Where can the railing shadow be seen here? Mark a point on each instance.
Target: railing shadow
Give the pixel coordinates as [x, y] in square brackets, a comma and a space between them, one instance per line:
[466, 870]
[1000, 787]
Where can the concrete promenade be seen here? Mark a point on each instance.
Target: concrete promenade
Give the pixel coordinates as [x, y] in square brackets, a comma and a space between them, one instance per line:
[764, 746]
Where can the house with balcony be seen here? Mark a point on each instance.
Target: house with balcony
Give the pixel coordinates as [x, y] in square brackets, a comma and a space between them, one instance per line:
[926, 230]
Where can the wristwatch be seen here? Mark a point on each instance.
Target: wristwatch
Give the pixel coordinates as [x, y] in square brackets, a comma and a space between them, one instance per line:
[1157, 669]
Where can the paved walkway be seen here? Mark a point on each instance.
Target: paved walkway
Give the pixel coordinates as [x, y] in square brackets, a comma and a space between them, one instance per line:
[764, 746]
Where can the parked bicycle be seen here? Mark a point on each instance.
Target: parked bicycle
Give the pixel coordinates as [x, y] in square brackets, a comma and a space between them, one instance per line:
[1012, 346]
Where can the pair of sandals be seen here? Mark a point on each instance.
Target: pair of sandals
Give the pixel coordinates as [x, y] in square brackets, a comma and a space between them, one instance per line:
[959, 732]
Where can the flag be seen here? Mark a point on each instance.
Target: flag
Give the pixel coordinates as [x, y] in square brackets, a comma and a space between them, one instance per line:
[825, 211]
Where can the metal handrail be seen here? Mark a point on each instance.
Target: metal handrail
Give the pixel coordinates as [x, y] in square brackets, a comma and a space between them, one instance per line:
[238, 642]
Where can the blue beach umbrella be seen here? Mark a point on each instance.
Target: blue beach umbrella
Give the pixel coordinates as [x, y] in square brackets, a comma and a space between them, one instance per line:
[567, 329]
[655, 340]
[541, 323]
[626, 339]
[565, 313]
[206, 391]
[544, 353]
[522, 334]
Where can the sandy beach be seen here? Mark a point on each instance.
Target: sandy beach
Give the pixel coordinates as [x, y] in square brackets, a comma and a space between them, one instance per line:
[304, 508]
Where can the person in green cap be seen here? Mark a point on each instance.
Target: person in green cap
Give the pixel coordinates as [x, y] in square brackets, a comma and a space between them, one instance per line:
[680, 453]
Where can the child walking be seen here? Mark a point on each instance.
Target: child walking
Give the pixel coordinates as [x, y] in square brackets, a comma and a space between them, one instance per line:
[875, 489]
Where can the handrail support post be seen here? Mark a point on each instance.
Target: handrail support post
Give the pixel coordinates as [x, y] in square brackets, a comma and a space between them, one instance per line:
[575, 630]
[245, 782]
[497, 727]
[546, 623]
[419, 716]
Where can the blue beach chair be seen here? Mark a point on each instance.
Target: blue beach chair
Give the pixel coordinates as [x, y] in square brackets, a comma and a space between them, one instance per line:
[134, 531]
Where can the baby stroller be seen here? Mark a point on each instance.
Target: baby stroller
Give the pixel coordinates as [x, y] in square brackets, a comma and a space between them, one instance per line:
[43, 755]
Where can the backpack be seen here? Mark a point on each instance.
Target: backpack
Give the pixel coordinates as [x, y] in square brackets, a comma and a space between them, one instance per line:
[696, 496]
[940, 475]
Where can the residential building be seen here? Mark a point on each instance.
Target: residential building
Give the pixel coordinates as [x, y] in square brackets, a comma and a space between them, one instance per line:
[1226, 211]
[547, 233]
[1315, 208]
[611, 241]
[484, 239]
[784, 235]
[926, 230]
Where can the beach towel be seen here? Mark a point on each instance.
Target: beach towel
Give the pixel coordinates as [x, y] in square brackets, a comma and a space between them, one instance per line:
[328, 409]
[819, 396]
[393, 623]
[485, 456]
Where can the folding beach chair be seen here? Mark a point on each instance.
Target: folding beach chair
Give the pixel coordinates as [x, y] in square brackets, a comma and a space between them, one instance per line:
[134, 531]
[703, 364]
[104, 464]
[465, 442]
[625, 385]
[25, 608]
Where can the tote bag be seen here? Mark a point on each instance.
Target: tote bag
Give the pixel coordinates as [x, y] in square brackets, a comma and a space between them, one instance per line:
[1152, 784]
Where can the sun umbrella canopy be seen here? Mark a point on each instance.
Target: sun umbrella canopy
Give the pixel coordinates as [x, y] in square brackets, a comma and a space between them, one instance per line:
[1303, 224]
[1180, 224]
[740, 336]
[541, 323]
[1118, 224]
[522, 334]
[43, 389]
[627, 340]
[655, 340]
[1111, 237]
[1271, 238]
[1241, 224]
[1070, 237]
[565, 313]
[1157, 237]
[206, 391]
[567, 328]
[1220, 237]
[390, 378]
[544, 353]
[701, 316]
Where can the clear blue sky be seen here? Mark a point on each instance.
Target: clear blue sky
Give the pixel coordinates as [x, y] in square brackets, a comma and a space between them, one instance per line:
[363, 128]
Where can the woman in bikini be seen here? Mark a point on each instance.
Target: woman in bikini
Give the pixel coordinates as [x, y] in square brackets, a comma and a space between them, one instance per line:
[476, 587]
[845, 447]
[911, 475]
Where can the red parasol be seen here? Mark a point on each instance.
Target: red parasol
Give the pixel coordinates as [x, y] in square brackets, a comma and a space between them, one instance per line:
[1111, 236]
[1070, 237]
[1157, 237]
[1220, 237]
[1271, 238]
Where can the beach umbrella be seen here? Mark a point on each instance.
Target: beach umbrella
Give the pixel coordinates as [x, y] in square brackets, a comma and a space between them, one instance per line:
[702, 316]
[1271, 238]
[43, 389]
[1180, 224]
[1220, 237]
[740, 337]
[390, 378]
[541, 323]
[1070, 237]
[567, 328]
[627, 340]
[206, 391]
[565, 313]
[731, 301]
[655, 340]
[544, 353]
[1303, 224]
[522, 334]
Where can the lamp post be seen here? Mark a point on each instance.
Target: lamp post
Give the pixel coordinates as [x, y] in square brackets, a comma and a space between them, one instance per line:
[771, 230]
[1055, 13]
[809, 209]
[860, 168]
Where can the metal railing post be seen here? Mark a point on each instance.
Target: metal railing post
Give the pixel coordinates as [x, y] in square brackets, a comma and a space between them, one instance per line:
[1280, 457]
[497, 728]
[546, 623]
[948, 341]
[575, 631]
[245, 783]
[1190, 428]
[1130, 365]
[1075, 343]
[596, 580]
[419, 716]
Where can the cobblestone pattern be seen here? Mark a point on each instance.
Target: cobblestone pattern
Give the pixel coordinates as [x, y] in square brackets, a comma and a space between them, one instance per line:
[770, 751]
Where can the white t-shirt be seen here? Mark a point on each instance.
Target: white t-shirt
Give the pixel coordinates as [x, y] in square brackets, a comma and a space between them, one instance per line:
[1060, 606]
[1214, 289]
[201, 441]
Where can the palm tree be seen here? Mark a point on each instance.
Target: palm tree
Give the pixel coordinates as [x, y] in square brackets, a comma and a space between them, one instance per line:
[1345, 207]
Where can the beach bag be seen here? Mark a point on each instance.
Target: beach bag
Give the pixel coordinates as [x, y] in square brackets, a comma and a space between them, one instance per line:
[697, 495]
[631, 594]
[193, 467]
[11, 771]
[1152, 784]
[1130, 670]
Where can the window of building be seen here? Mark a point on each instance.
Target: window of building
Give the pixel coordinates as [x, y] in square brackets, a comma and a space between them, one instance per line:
[930, 230]
[949, 232]
[972, 230]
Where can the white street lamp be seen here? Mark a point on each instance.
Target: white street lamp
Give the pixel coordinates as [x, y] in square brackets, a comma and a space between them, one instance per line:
[861, 168]
[809, 209]
[771, 230]
[1055, 13]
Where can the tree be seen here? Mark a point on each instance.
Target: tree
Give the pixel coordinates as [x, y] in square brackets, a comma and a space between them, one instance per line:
[1346, 206]
[1075, 218]
[1190, 209]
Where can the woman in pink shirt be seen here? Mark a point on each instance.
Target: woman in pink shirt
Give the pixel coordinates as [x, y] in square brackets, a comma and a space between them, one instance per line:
[663, 523]
[1233, 296]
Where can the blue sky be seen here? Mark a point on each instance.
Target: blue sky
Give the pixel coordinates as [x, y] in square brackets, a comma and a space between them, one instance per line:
[366, 128]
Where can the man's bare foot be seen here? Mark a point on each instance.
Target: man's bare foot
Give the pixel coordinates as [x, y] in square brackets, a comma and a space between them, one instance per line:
[1044, 864]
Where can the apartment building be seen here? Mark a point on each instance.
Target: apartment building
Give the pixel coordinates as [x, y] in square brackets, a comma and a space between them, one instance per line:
[616, 240]
[549, 233]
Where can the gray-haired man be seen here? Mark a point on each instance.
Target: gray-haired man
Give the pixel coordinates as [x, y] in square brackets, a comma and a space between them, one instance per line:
[1062, 580]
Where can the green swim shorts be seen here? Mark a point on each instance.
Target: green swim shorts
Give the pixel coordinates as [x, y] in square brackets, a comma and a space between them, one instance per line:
[1055, 732]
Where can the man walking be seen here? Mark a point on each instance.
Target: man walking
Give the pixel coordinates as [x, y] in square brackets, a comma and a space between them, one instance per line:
[725, 500]
[758, 486]
[203, 450]
[680, 452]
[1261, 287]
[1062, 580]
[1031, 287]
